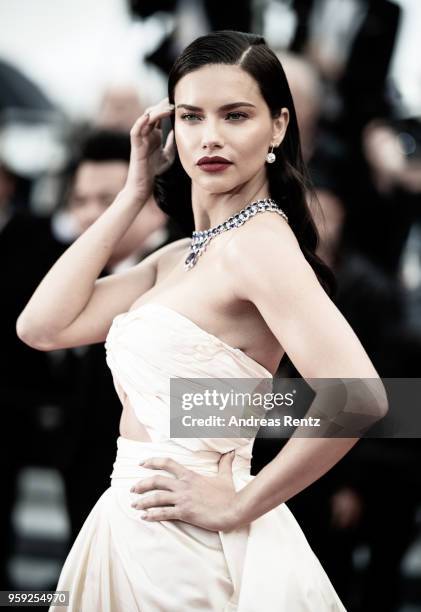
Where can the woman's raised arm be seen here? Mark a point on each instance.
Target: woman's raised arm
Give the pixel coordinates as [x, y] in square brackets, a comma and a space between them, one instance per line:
[70, 306]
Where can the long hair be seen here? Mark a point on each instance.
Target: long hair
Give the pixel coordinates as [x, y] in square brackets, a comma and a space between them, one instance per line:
[289, 183]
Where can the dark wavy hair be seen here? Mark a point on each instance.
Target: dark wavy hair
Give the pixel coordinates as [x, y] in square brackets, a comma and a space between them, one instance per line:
[289, 183]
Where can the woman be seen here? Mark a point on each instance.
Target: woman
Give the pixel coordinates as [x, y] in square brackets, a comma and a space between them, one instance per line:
[190, 528]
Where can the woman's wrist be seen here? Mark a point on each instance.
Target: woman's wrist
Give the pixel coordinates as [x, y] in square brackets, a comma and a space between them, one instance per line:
[133, 198]
[239, 512]
[259, 495]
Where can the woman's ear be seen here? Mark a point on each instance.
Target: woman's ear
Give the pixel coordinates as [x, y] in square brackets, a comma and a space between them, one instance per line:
[280, 124]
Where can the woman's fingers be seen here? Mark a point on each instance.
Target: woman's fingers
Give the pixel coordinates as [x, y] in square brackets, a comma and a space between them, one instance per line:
[149, 156]
[169, 465]
[157, 114]
[162, 103]
[160, 498]
[147, 123]
[151, 118]
[160, 110]
[155, 482]
[169, 152]
[138, 126]
[169, 148]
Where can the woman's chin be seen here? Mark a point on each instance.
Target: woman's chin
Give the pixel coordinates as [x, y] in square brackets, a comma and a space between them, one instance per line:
[218, 185]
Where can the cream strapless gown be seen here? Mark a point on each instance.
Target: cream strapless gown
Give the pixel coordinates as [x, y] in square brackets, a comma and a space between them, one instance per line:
[120, 563]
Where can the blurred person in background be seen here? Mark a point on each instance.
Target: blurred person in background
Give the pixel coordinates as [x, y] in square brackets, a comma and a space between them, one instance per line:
[321, 150]
[96, 176]
[29, 382]
[184, 20]
[373, 298]
[307, 88]
[7, 190]
[345, 39]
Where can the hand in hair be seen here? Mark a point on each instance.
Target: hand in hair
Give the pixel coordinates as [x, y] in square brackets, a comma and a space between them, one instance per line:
[149, 157]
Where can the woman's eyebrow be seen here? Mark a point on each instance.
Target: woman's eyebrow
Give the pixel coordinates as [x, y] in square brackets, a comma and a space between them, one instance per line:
[224, 107]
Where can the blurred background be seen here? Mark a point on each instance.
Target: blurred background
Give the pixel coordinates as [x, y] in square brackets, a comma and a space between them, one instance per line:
[73, 78]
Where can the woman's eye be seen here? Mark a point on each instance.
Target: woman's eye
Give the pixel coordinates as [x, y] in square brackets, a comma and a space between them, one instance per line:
[189, 116]
[236, 116]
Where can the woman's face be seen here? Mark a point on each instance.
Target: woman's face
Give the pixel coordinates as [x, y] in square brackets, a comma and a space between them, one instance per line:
[220, 112]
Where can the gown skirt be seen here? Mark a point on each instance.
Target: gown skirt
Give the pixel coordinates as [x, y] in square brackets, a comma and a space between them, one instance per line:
[121, 563]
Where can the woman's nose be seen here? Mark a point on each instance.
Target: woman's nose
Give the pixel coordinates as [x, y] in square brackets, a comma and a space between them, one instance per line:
[211, 137]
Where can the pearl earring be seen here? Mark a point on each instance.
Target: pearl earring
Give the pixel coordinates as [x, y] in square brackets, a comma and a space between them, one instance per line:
[270, 157]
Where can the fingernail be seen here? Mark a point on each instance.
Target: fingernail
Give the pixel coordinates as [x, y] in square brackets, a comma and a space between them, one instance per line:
[143, 514]
[133, 505]
[132, 490]
[142, 462]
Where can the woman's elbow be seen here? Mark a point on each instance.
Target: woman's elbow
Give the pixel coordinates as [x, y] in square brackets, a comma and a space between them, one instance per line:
[376, 399]
[383, 402]
[28, 335]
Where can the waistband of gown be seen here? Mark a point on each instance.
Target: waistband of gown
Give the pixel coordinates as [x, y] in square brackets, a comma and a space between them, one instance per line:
[130, 452]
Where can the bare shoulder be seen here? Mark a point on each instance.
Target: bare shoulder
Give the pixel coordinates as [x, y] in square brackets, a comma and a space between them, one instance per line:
[262, 227]
[264, 251]
[261, 240]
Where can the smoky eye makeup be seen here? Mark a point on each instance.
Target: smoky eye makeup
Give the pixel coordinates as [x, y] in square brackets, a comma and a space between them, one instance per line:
[237, 115]
[229, 116]
[185, 116]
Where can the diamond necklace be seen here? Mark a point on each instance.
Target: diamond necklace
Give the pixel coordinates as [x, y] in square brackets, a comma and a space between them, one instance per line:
[201, 239]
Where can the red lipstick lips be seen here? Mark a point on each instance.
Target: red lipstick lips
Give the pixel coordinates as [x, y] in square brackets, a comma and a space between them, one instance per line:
[213, 164]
